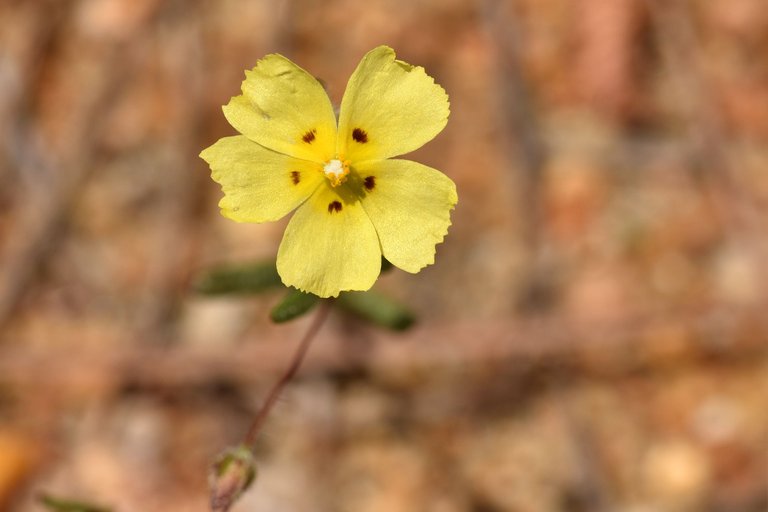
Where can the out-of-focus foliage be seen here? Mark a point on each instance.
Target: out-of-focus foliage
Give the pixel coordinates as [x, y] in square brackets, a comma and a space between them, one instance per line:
[293, 305]
[233, 279]
[60, 505]
[377, 309]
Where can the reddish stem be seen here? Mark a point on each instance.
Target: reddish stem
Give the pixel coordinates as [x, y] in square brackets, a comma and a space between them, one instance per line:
[298, 358]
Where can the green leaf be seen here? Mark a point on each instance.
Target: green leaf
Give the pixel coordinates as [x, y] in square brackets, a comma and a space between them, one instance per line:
[378, 309]
[60, 505]
[386, 266]
[293, 305]
[239, 279]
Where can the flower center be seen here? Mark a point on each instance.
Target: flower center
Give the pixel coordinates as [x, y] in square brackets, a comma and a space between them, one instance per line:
[336, 171]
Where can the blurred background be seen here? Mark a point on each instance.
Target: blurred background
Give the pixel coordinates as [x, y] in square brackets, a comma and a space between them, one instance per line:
[592, 337]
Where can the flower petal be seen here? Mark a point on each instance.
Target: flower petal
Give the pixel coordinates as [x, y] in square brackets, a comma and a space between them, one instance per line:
[284, 108]
[330, 245]
[389, 108]
[409, 205]
[259, 185]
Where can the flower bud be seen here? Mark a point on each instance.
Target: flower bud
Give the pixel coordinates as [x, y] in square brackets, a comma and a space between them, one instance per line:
[232, 473]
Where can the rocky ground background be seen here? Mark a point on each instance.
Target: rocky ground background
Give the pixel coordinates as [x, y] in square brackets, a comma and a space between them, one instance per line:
[592, 337]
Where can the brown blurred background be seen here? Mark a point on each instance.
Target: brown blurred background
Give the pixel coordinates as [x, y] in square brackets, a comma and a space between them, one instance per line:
[592, 337]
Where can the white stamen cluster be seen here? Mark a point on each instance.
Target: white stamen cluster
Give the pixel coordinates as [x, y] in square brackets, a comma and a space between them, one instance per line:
[334, 169]
[336, 172]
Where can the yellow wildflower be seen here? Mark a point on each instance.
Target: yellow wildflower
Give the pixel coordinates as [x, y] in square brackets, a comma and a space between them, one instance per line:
[353, 202]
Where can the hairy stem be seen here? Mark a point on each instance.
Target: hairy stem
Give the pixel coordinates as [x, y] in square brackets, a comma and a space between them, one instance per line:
[298, 358]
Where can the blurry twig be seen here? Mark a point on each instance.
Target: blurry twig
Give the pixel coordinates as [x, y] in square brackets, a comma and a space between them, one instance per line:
[678, 43]
[606, 61]
[19, 82]
[520, 123]
[47, 210]
[179, 220]
[609, 349]
[589, 491]
[710, 159]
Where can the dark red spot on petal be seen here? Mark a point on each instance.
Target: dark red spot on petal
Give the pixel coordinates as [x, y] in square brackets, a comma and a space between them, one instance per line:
[334, 207]
[309, 136]
[359, 135]
[295, 177]
[369, 183]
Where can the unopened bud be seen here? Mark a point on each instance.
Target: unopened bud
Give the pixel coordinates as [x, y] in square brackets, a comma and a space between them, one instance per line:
[232, 473]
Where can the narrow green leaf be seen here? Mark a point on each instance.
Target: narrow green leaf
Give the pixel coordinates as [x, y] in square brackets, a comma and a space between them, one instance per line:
[242, 279]
[293, 305]
[59, 505]
[377, 308]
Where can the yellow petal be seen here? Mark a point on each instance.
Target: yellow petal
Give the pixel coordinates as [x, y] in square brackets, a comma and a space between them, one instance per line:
[284, 108]
[330, 245]
[259, 185]
[389, 108]
[409, 205]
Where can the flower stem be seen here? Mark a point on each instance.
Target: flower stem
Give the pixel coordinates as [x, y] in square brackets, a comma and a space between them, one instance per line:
[277, 389]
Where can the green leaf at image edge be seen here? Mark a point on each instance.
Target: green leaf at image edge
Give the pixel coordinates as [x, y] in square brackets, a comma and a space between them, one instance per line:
[60, 505]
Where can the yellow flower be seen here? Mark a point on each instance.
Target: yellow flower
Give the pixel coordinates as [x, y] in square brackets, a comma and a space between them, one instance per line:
[353, 203]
